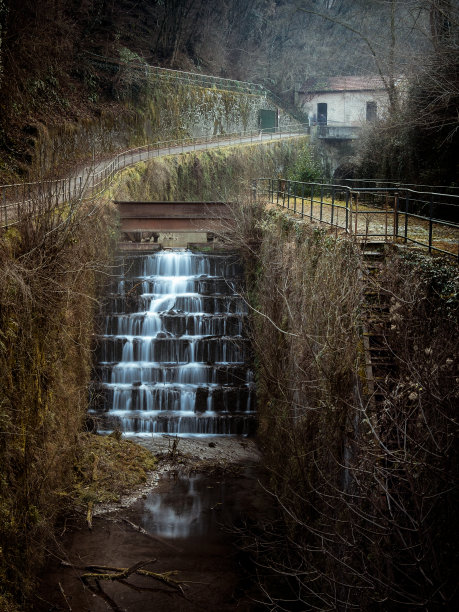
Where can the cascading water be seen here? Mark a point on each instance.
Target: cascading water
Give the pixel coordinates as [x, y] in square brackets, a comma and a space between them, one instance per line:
[173, 356]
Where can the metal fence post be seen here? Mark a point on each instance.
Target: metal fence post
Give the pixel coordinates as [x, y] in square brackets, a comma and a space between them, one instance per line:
[321, 202]
[356, 213]
[302, 200]
[312, 202]
[407, 200]
[347, 212]
[332, 206]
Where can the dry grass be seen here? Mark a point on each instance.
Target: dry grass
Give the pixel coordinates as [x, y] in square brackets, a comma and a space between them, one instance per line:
[107, 467]
[365, 497]
[49, 266]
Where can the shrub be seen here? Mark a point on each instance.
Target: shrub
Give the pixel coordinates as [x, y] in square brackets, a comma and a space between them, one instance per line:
[307, 168]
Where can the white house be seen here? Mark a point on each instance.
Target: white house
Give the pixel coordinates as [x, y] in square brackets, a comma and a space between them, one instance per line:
[345, 100]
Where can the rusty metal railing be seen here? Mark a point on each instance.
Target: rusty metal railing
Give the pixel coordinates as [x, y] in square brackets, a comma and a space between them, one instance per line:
[427, 219]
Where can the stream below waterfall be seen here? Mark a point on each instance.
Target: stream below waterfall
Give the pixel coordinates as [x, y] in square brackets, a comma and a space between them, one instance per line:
[188, 522]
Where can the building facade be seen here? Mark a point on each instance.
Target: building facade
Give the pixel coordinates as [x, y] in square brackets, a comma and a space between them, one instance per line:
[344, 100]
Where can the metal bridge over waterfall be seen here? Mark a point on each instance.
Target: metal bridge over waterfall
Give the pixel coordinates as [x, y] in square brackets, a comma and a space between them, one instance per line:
[144, 225]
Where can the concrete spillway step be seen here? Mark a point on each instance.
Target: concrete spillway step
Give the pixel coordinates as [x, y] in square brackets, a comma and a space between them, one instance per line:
[189, 373]
[174, 355]
[178, 304]
[178, 324]
[191, 423]
[160, 285]
[174, 397]
[178, 350]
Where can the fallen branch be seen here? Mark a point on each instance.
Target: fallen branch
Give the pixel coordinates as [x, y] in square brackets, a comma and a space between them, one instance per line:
[91, 503]
[99, 592]
[104, 572]
[119, 574]
[89, 515]
[64, 596]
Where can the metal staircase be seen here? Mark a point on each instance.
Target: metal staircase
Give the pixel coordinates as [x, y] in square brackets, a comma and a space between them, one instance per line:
[379, 360]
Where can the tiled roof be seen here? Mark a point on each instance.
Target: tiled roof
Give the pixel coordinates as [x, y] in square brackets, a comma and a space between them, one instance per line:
[342, 83]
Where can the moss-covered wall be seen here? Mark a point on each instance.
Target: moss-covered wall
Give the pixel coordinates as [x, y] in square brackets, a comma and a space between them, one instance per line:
[216, 174]
[163, 111]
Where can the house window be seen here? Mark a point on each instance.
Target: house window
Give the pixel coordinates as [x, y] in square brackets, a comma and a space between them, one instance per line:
[372, 111]
[322, 113]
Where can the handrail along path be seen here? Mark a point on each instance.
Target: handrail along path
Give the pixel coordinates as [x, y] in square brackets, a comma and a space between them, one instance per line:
[424, 218]
[19, 198]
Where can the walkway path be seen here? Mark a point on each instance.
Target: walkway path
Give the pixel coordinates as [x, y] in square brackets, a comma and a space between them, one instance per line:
[387, 222]
[93, 179]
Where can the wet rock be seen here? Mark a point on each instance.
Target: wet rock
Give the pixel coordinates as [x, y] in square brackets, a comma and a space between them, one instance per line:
[90, 424]
[201, 400]
[218, 400]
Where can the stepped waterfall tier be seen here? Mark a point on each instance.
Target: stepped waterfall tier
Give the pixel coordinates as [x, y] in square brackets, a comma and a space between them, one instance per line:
[173, 355]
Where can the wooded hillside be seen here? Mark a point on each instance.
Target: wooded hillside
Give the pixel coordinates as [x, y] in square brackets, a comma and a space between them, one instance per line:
[53, 54]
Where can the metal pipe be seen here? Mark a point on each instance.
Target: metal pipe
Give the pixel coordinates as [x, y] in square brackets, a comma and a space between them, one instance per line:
[430, 222]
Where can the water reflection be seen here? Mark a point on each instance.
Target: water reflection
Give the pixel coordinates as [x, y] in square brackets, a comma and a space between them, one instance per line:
[193, 506]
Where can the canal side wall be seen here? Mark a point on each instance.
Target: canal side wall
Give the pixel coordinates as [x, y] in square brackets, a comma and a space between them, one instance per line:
[50, 271]
[51, 276]
[338, 465]
[212, 175]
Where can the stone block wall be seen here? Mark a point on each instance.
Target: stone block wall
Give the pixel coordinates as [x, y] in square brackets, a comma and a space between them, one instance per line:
[165, 111]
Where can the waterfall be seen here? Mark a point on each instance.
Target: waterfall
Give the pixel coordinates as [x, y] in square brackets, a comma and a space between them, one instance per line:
[172, 357]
